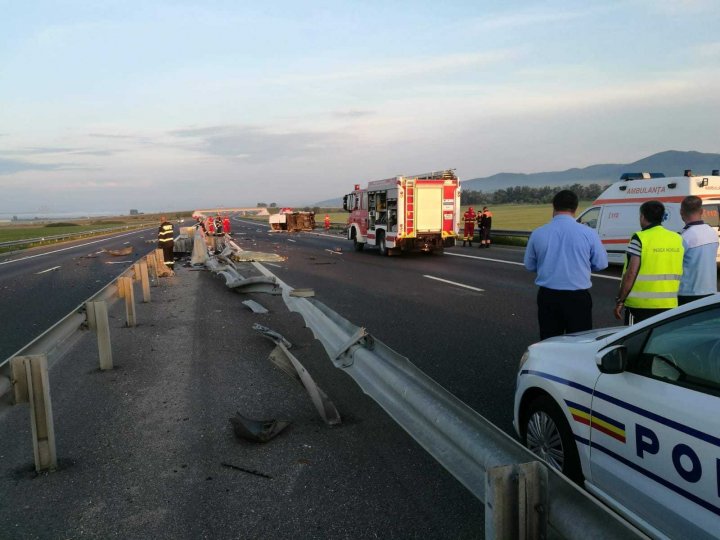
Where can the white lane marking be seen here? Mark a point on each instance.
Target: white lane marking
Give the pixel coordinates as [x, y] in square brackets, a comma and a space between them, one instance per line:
[454, 283]
[71, 247]
[273, 264]
[291, 240]
[48, 270]
[518, 263]
[118, 262]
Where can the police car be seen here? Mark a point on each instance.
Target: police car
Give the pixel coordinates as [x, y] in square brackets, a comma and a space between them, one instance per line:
[633, 414]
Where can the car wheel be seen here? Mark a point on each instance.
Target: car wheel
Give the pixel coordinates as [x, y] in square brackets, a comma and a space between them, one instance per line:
[357, 245]
[547, 434]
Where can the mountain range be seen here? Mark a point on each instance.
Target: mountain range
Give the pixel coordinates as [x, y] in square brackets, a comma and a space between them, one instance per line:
[670, 162]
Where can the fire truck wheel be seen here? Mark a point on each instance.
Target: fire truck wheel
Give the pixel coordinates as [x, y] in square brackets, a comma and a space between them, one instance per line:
[357, 245]
[382, 246]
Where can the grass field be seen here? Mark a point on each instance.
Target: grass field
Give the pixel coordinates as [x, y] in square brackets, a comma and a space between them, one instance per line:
[518, 217]
[24, 230]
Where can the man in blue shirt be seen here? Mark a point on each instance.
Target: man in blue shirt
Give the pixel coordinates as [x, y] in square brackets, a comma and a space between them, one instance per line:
[563, 253]
[700, 240]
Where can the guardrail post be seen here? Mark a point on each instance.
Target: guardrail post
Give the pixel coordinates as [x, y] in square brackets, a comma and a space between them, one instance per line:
[30, 378]
[126, 285]
[516, 502]
[145, 280]
[97, 318]
[152, 266]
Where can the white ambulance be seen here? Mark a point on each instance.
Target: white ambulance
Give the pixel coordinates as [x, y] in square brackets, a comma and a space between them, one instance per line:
[615, 214]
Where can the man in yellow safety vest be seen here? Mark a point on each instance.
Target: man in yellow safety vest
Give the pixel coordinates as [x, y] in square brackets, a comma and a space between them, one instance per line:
[654, 265]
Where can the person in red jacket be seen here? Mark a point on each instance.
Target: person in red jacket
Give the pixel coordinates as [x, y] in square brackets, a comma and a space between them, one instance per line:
[226, 225]
[210, 228]
[327, 222]
[469, 226]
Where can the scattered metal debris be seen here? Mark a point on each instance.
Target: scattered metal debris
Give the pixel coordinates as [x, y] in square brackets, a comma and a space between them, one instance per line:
[255, 307]
[256, 430]
[243, 469]
[335, 251]
[120, 252]
[271, 334]
[285, 360]
[302, 293]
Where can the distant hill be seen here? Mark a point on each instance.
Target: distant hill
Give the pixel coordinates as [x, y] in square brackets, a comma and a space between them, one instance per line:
[671, 162]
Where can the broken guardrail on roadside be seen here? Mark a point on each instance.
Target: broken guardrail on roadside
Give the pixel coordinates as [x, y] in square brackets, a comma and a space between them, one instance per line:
[523, 496]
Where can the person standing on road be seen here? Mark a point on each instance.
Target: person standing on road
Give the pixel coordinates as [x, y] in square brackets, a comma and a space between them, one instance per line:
[484, 220]
[166, 236]
[227, 229]
[210, 229]
[654, 266]
[700, 240]
[469, 226]
[563, 253]
[327, 222]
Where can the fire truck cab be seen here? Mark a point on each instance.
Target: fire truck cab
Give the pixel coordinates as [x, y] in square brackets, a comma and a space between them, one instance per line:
[405, 213]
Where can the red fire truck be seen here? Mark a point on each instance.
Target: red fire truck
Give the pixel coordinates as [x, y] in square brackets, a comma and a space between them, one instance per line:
[405, 213]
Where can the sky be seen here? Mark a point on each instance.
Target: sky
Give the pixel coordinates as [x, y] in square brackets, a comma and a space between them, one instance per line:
[168, 105]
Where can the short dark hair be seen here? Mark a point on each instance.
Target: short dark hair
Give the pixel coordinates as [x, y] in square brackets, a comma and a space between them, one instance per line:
[565, 201]
[690, 205]
[653, 211]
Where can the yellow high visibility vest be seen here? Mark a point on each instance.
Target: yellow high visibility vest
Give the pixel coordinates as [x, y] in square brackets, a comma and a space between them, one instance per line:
[658, 280]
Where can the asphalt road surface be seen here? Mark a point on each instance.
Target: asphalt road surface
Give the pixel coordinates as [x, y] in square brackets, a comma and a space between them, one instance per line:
[465, 318]
[40, 286]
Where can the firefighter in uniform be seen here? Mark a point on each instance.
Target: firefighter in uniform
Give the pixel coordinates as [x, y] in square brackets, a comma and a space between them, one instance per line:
[484, 220]
[166, 235]
[652, 271]
[327, 222]
[469, 228]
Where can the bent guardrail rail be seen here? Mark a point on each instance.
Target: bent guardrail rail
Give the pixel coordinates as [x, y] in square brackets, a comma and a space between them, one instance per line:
[472, 449]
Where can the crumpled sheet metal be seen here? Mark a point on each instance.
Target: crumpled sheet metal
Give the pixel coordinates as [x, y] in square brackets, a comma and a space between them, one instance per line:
[256, 256]
[285, 360]
[256, 430]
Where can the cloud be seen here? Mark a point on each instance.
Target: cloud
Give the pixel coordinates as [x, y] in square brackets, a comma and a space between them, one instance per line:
[352, 114]
[517, 19]
[55, 150]
[253, 144]
[12, 166]
[397, 68]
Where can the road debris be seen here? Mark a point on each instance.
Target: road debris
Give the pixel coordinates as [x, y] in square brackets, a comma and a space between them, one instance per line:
[243, 469]
[302, 293]
[254, 306]
[256, 430]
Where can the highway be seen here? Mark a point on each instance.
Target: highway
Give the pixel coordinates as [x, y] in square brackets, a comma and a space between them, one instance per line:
[464, 317]
[40, 286]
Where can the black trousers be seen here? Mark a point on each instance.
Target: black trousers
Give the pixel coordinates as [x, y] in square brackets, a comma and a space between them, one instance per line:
[563, 312]
[167, 248]
[682, 300]
[640, 314]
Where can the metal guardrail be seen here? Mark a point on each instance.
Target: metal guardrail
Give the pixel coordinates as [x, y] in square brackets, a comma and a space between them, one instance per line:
[459, 438]
[471, 448]
[61, 336]
[503, 232]
[70, 236]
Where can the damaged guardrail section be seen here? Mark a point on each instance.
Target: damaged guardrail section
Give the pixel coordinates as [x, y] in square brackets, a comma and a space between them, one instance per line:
[524, 498]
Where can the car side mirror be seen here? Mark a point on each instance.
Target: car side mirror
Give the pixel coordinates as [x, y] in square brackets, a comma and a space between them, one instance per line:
[612, 360]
